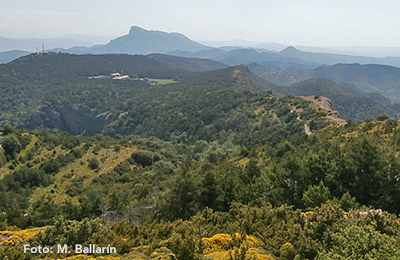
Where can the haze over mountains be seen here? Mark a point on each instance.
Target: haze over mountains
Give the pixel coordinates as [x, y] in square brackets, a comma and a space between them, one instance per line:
[36, 44]
[141, 41]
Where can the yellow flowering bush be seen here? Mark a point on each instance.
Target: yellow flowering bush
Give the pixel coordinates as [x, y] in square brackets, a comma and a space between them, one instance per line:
[13, 237]
[218, 255]
[257, 254]
[218, 241]
[250, 240]
[238, 246]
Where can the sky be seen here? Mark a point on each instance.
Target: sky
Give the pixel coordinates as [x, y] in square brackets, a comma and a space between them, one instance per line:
[291, 22]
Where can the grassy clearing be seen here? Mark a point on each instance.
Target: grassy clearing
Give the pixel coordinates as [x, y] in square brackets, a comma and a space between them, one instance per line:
[156, 82]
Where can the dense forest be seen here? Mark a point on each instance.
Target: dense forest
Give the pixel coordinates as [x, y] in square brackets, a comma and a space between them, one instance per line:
[210, 166]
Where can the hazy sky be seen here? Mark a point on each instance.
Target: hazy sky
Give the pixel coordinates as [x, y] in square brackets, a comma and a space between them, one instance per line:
[291, 22]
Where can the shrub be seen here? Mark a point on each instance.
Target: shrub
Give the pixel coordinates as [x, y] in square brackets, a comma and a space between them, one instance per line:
[382, 117]
[145, 158]
[94, 164]
[51, 166]
[11, 145]
[77, 152]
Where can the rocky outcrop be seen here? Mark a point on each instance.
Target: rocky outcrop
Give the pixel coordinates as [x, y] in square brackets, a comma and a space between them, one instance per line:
[326, 104]
[73, 121]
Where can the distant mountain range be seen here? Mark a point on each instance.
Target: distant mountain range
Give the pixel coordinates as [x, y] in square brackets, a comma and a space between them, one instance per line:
[8, 56]
[289, 57]
[13, 48]
[141, 41]
[36, 44]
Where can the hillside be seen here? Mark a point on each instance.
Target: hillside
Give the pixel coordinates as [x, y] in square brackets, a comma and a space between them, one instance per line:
[150, 198]
[380, 79]
[72, 93]
[354, 106]
[37, 80]
[191, 64]
[199, 105]
[370, 78]
[326, 105]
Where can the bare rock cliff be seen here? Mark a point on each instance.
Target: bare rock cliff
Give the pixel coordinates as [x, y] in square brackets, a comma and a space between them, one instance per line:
[73, 121]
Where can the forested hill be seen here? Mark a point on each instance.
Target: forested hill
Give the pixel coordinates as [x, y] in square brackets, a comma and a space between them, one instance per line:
[377, 78]
[350, 97]
[357, 106]
[39, 81]
[160, 98]
[58, 65]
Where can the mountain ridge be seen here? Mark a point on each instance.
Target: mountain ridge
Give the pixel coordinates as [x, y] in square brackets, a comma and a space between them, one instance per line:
[382, 79]
[142, 41]
[358, 106]
[7, 56]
